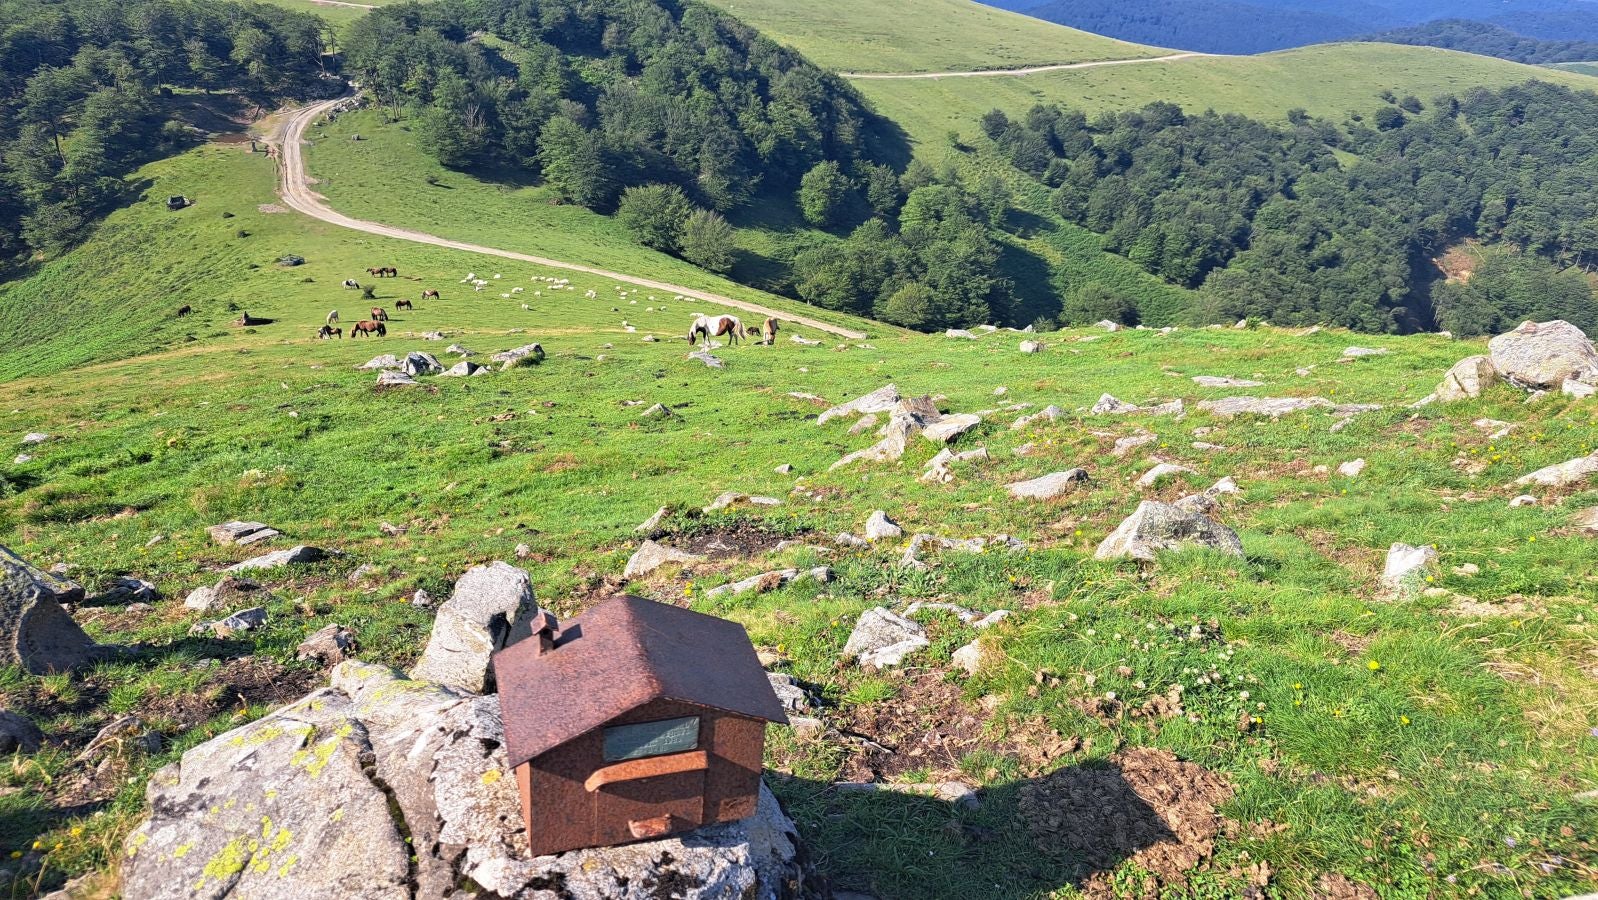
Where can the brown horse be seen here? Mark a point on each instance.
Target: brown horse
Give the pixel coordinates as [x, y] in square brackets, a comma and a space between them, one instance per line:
[429, 294]
[368, 329]
[327, 332]
[379, 314]
[383, 272]
[403, 304]
[768, 332]
[184, 310]
[717, 326]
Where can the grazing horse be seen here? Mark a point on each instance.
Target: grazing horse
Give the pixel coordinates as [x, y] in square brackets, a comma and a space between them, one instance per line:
[352, 284]
[332, 317]
[429, 294]
[184, 310]
[379, 314]
[374, 271]
[768, 331]
[327, 331]
[368, 328]
[403, 304]
[717, 326]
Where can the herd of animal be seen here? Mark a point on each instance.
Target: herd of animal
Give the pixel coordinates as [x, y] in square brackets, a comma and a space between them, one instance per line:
[705, 326]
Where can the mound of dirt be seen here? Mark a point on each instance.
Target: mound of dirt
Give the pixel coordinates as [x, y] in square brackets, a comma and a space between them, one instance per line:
[1145, 805]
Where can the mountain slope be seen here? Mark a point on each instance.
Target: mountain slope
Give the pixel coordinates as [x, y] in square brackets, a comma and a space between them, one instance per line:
[1490, 40]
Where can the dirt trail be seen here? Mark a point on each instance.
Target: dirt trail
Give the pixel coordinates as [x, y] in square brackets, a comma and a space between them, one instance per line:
[295, 189]
[1032, 70]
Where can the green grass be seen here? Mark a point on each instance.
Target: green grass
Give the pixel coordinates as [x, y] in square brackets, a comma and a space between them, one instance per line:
[1329, 80]
[273, 425]
[923, 35]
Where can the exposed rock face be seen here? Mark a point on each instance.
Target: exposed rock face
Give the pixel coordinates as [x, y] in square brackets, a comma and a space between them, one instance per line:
[651, 526]
[1129, 443]
[883, 638]
[1156, 526]
[395, 379]
[35, 632]
[243, 620]
[948, 428]
[17, 733]
[386, 361]
[650, 556]
[1580, 390]
[1406, 569]
[1031, 347]
[1230, 407]
[473, 623]
[417, 364]
[1542, 355]
[1574, 471]
[292, 556]
[1466, 380]
[523, 355]
[241, 533]
[127, 589]
[881, 528]
[969, 658]
[1049, 486]
[1109, 405]
[464, 369]
[316, 800]
[329, 645]
[907, 419]
[229, 591]
[1160, 472]
[940, 468]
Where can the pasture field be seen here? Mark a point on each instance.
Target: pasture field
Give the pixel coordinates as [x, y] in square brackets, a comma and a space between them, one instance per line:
[1442, 745]
[1330, 80]
[923, 35]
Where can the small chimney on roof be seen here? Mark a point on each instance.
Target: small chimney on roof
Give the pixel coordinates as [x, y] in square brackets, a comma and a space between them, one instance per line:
[544, 627]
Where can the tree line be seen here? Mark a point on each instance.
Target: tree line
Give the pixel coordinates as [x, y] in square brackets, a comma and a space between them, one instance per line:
[90, 89]
[1487, 39]
[1269, 222]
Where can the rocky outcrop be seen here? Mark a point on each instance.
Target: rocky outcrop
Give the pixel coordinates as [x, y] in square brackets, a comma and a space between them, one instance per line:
[527, 354]
[883, 638]
[881, 528]
[1542, 355]
[880, 400]
[940, 468]
[1161, 472]
[395, 379]
[650, 556]
[243, 620]
[947, 428]
[1466, 380]
[1574, 471]
[19, 734]
[1216, 381]
[35, 632]
[1274, 407]
[230, 591]
[241, 533]
[473, 623]
[326, 798]
[1156, 526]
[418, 364]
[1048, 487]
[770, 581]
[293, 556]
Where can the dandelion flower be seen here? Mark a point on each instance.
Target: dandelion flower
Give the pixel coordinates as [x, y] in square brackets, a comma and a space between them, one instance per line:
[1337, 713]
[78, 831]
[1374, 666]
[1297, 686]
[1403, 720]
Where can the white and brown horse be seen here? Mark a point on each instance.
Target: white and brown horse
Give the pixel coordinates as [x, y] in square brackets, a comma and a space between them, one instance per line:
[717, 326]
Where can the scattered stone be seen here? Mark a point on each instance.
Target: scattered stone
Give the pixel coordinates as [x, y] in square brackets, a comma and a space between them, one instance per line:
[1358, 352]
[1543, 355]
[293, 556]
[1127, 444]
[244, 620]
[1466, 380]
[770, 581]
[959, 333]
[849, 540]
[912, 553]
[241, 533]
[650, 556]
[804, 341]
[1566, 473]
[1156, 526]
[1214, 381]
[704, 356]
[1162, 471]
[386, 361]
[421, 599]
[1108, 404]
[1352, 468]
[651, 526]
[865, 424]
[1405, 573]
[940, 467]
[458, 350]
[991, 619]
[1048, 487]
[1227, 485]
[948, 428]
[21, 458]
[735, 498]
[1577, 389]
[784, 469]
[465, 369]
[1031, 347]
[881, 528]
[18, 733]
[1027, 449]
[395, 379]
[969, 658]
[883, 638]
[329, 646]
[473, 623]
[1049, 413]
[658, 411]
[1522, 500]
[35, 437]
[1273, 407]
[229, 591]
[807, 727]
[36, 633]
[790, 693]
[417, 364]
[1107, 325]
[361, 572]
[964, 615]
[527, 354]
[126, 589]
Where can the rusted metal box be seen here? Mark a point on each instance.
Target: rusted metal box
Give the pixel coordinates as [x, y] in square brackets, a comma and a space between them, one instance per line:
[634, 720]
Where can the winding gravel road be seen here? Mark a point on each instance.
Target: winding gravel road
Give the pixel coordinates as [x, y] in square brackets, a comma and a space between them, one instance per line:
[1032, 70]
[294, 186]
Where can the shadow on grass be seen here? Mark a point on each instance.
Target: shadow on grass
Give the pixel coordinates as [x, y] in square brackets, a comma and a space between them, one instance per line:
[1025, 838]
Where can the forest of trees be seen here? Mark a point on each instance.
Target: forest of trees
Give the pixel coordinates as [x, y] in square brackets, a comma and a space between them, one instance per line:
[1489, 40]
[1267, 222]
[597, 97]
[86, 95]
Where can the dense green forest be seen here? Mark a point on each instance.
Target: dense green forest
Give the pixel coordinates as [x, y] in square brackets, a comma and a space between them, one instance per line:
[89, 89]
[1489, 40]
[598, 97]
[1268, 223]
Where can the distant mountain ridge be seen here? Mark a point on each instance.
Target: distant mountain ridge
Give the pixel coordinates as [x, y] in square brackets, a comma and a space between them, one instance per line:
[1258, 26]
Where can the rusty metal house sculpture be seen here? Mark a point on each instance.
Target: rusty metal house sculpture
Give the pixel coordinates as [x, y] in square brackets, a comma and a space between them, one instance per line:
[634, 720]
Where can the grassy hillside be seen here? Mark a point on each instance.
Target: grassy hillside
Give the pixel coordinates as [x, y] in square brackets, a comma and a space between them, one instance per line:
[1331, 80]
[923, 35]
